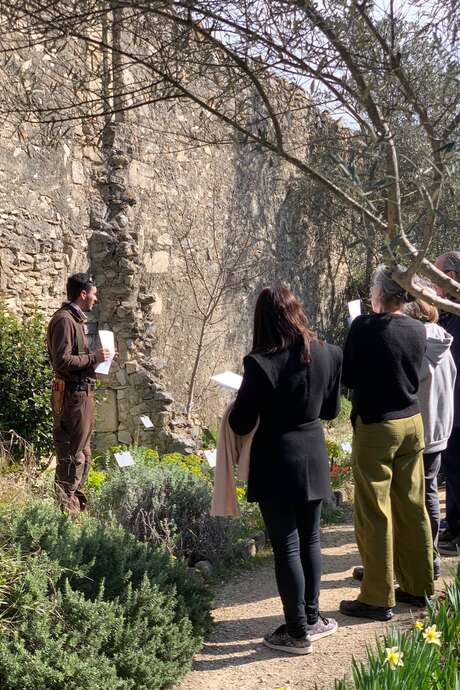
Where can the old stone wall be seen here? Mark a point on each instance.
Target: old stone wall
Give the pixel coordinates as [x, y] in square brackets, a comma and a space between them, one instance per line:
[164, 228]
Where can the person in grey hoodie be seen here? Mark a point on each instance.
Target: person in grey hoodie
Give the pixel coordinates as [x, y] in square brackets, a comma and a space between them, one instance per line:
[436, 399]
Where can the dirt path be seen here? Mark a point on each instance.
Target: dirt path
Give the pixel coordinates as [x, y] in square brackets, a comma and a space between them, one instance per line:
[248, 606]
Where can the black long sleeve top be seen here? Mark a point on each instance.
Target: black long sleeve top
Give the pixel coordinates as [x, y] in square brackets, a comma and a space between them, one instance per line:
[288, 455]
[382, 359]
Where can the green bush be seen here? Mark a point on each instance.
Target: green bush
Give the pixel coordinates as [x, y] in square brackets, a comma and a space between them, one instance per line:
[343, 419]
[88, 607]
[25, 405]
[150, 457]
[209, 438]
[425, 658]
[168, 505]
[93, 554]
[64, 640]
[192, 463]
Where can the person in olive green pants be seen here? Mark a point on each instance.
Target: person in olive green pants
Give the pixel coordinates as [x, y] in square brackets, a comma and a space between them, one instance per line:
[382, 364]
[391, 523]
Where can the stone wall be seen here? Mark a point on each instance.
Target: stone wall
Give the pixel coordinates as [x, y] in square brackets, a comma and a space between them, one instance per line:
[134, 207]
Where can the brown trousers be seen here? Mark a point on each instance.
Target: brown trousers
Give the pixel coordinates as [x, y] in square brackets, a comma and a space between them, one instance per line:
[72, 437]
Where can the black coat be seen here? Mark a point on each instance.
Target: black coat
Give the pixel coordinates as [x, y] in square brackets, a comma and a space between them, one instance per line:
[288, 453]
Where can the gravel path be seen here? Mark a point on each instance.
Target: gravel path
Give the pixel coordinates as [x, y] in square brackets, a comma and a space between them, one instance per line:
[248, 606]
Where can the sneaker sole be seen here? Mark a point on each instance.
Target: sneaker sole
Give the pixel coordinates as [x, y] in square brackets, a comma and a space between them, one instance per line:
[318, 636]
[288, 650]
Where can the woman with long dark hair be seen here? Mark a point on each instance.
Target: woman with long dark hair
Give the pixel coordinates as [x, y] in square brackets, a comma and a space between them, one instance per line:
[291, 381]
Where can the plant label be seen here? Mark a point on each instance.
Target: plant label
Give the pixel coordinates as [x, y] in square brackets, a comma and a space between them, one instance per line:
[124, 458]
[211, 456]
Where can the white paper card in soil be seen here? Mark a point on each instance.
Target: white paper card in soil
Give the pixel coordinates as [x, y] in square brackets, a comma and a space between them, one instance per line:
[124, 458]
[146, 421]
[211, 456]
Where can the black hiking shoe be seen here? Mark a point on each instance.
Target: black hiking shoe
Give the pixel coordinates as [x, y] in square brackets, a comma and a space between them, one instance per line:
[449, 548]
[445, 535]
[283, 642]
[411, 599]
[360, 610]
[322, 628]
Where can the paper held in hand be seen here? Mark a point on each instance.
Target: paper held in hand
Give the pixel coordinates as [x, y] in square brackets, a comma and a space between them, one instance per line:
[228, 380]
[354, 308]
[124, 458]
[108, 343]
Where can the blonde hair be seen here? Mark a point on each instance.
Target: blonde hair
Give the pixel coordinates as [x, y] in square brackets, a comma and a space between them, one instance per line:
[421, 310]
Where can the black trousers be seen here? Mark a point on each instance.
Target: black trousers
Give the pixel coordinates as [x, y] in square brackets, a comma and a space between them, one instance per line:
[432, 464]
[294, 531]
[451, 464]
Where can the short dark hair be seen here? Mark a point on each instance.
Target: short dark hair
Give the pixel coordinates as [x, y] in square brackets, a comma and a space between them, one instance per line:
[279, 322]
[78, 282]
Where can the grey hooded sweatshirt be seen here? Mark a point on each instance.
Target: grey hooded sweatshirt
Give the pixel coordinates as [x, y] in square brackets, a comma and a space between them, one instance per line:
[436, 391]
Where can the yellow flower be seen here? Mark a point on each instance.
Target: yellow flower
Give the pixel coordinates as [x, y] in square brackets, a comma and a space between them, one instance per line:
[432, 636]
[418, 625]
[393, 657]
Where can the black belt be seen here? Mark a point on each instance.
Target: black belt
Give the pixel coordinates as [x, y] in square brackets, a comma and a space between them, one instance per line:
[83, 386]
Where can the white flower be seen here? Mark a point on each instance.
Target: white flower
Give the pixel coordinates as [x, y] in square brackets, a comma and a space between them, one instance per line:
[394, 657]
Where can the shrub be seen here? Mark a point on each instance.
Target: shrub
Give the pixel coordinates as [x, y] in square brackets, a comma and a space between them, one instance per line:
[341, 470]
[64, 640]
[209, 438]
[251, 516]
[340, 476]
[94, 482]
[168, 505]
[26, 375]
[88, 607]
[425, 658]
[93, 555]
[150, 457]
[192, 463]
[343, 419]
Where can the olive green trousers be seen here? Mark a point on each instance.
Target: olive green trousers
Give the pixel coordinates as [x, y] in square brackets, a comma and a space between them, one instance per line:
[391, 523]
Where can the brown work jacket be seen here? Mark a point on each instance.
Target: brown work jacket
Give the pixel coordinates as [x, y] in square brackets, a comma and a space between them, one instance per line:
[68, 346]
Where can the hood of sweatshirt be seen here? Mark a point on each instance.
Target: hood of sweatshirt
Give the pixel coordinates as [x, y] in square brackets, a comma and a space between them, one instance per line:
[438, 342]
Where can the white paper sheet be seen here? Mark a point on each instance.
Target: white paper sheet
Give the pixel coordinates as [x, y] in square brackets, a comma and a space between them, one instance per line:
[146, 421]
[228, 380]
[124, 458]
[354, 308]
[211, 456]
[108, 343]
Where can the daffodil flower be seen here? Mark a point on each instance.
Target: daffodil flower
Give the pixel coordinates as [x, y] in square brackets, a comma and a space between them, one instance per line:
[432, 635]
[394, 657]
[418, 625]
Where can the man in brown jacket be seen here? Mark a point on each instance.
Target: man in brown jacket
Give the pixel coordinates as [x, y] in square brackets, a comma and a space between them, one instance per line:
[73, 390]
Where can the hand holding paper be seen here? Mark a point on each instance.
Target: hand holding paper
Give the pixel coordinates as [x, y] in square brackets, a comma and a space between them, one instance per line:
[108, 343]
[354, 309]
